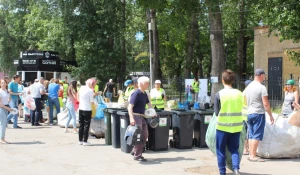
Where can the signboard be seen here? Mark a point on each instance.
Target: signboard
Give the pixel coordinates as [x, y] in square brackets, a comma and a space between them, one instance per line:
[202, 95]
[16, 62]
[40, 54]
[48, 62]
[29, 62]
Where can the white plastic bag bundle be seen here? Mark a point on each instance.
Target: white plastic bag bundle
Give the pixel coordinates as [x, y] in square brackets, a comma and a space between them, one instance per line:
[63, 117]
[29, 102]
[97, 128]
[281, 140]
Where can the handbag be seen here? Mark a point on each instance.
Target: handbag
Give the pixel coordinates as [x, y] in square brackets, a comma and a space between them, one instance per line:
[101, 106]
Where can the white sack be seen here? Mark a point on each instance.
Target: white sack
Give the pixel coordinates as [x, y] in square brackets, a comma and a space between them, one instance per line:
[63, 117]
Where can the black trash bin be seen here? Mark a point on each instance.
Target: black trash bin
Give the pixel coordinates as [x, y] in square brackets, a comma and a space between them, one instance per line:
[115, 127]
[108, 127]
[183, 124]
[158, 137]
[201, 122]
[124, 122]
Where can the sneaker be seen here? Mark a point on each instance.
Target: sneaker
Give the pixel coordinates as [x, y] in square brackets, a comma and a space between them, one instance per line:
[10, 122]
[140, 158]
[37, 124]
[87, 144]
[80, 143]
[18, 127]
[236, 172]
[51, 124]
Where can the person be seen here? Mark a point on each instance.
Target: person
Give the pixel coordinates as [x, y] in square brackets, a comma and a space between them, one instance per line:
[65, 89]
[4, 107]
[228, 109]
[135, 86]
[86, 100]
[110, 87]
[195, 87]
[13, 103]
[158, 96]
[136, 110]
[66, 80]
[20, 99]
[256, 97]
[129, 86]
[45, 99]
[37, 90]
[72, 94]
[244, 113]
[53, 89]
[291, 96]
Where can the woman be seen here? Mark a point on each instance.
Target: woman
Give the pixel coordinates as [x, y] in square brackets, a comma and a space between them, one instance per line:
[45, 99]
[71, 96]
[20, 100]
[291, 96]
[195, 87]
[4, 107]
[86, 100]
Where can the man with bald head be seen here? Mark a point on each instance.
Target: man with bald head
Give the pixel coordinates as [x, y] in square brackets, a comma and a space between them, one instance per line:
[110, 87]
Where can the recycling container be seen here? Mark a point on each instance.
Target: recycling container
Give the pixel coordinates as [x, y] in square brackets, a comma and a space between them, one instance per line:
[124, 122]
[108, 127]
[158, 137]
[183, 124]
[115, 127]
[201, 122]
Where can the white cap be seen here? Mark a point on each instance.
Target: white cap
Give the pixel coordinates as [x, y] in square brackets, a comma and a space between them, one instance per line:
[157, 82]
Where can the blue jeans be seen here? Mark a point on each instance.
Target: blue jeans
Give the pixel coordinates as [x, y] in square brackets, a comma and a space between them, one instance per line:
[3, 122]
[71, 114]
[109, 95]
[232, 142]
[13, 104]
[53, 101]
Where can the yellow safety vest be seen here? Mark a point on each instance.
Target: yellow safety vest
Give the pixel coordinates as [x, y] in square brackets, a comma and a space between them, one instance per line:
[195, 86]
[230, 117]
[158, 101]
[96, 88]
[65, 87]
[127, 93]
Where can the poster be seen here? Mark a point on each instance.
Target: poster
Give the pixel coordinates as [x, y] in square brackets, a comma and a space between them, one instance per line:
[202, 96]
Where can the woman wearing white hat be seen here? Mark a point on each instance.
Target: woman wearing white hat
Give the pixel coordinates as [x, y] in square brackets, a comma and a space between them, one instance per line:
[158, 96]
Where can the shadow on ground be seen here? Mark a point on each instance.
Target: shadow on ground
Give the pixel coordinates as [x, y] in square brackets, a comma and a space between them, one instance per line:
[161, 160]
[27, 143]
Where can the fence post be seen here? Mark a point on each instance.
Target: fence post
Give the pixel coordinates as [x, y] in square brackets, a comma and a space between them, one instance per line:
[180, 89]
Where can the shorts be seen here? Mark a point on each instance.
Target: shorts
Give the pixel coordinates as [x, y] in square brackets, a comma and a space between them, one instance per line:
[256, 126]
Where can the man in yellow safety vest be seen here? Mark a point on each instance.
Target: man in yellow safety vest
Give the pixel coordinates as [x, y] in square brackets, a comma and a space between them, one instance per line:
[158, 96]
[228, 105]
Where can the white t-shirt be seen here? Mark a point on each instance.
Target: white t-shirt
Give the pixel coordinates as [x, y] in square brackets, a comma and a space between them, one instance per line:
[4, 96]
[86, 96]
[35, 90]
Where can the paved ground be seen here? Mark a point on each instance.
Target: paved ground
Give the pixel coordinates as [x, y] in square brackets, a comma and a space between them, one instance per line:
[48, 150]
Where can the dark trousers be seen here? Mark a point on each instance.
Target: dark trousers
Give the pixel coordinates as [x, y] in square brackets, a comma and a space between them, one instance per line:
[142, 124]
[84, 125]
[232, 142]
[37, 113]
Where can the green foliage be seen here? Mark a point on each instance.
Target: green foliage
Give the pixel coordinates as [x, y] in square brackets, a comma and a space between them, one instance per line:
[295, 56]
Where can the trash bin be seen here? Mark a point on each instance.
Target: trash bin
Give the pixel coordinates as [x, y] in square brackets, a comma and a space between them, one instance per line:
[201, 121]
[183, 124]
[158, 137]
[115, 127]
[108, 126]
[124, 120]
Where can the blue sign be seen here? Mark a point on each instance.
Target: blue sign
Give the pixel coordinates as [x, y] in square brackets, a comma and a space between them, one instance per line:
[139, 36]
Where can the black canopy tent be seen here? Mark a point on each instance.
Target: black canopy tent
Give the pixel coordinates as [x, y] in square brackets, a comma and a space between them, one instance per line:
[35, 64]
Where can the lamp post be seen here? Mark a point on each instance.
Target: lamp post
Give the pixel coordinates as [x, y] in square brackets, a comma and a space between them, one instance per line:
[150, 27]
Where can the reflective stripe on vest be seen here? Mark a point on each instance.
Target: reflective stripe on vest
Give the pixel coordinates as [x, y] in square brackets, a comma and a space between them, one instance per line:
[230, 117]
[158, 101]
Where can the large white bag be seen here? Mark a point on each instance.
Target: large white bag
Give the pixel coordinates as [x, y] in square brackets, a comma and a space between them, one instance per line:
[281, 140]
[97, 128]
[63, 117]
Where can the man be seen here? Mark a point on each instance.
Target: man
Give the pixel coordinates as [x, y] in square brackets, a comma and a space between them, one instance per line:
[158, 96]
[135, 87]
[53, 89]
[110, 87]
[13, 103]
[37, 90]
[256, 97]
[228, 107]
[136, 110]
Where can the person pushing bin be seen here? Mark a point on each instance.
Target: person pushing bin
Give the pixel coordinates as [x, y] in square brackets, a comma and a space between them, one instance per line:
[136, 110]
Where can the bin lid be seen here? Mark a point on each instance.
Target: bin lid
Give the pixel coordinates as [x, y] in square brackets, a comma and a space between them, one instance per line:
[164, 113]
[184, 112]
[114, 110]
[205, 112]
[122, 113]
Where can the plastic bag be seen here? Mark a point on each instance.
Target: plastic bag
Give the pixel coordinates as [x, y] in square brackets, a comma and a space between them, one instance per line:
[63, 117]
[210, 140]
[30, 103]
[101, 106]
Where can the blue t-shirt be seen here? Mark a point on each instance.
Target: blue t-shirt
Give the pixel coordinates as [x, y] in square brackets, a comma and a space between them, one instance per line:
[13, 87]
[139, 99]
[53, 90]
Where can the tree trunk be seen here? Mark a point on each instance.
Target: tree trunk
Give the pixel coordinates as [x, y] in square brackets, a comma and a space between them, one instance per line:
[199, 54]
[217, 47]
[240, 44]
[123, 62]
[190, 48]
[156, 70]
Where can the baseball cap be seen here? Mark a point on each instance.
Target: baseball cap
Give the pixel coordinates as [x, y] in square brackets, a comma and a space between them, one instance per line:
[258, 72]
[157, 82]
[247, 82]
[290, 82]
[134, 80]
[127, 82]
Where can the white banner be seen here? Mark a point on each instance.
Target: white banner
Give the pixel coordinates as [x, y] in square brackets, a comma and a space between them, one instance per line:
[202, 96]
